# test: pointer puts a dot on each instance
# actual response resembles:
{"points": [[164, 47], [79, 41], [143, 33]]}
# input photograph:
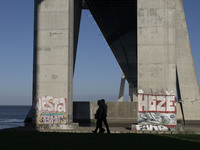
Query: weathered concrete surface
{"points": [[156, 63], [187, 80], [164, 55], [156, 47], [118, 112], [56, 27]]}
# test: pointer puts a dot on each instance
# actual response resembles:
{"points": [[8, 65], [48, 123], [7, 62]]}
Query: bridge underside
{"points": [[151, 44], [118, 23], [149, 39]]}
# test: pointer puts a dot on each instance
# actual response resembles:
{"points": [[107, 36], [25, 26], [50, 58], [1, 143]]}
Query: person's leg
{"points": [[100, 127], [106, 125], [95, 131]]}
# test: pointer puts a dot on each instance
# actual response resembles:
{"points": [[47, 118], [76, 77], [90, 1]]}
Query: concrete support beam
{"points": [[189, 90], [157, 62], [156, 47], [55, 38], [164, 52], [121, 90]]}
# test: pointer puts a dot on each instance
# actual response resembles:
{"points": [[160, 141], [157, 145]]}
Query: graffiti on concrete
{"points": [[152, 128], [51, 110], [67, 126], [157, 118], [52, 104], [52, 118], [63, 127], [153, 103], [156, 110]]}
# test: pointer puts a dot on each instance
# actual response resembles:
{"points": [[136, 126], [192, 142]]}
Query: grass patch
{"points": [[69, 141], [187, 137]]}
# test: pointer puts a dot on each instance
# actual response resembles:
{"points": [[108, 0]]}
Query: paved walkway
{"points": [[187, 129], [190, 128]]}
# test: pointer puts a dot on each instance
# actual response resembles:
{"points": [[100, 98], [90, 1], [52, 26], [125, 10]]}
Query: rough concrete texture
{"points": [[156, 47], [164, 52], [56, 28], [156, 62], [53, 62]]}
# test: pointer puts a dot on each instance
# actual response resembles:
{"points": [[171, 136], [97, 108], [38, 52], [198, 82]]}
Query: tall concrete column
{"points": [[121, 90], [157, 61], [55, 38], [132, 93], [156, 47], [187, 80]]}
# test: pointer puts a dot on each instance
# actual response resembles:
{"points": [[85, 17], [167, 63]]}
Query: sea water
{"points": [[13, 116]]}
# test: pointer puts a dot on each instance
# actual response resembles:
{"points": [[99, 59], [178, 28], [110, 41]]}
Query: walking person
{"points": [[99, 118], [104, 118]]}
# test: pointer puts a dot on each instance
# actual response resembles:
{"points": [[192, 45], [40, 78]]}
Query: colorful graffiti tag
{"points": [[52, 118], [156, 112], [51, 110], [52, 104], [152, 128], [152, 103], [157, 118]]}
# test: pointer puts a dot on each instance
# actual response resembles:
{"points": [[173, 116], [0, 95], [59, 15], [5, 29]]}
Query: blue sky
{"points": [[97, 74]]}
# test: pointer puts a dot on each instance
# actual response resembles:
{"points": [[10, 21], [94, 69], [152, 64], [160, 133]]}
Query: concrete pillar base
{"points": [[68, 126]]}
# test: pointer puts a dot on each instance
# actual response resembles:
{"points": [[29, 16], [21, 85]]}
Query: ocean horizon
{"points": [[13, 115]]}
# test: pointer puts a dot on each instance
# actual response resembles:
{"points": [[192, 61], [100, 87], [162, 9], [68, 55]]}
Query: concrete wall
{"points": [[118, 112]]}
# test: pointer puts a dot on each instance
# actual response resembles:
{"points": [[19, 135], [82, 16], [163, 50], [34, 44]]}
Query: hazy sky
{"points": [[97, 73]]}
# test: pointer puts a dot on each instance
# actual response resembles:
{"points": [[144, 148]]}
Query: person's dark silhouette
{"points": [[99, 116], [104, 119]]}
